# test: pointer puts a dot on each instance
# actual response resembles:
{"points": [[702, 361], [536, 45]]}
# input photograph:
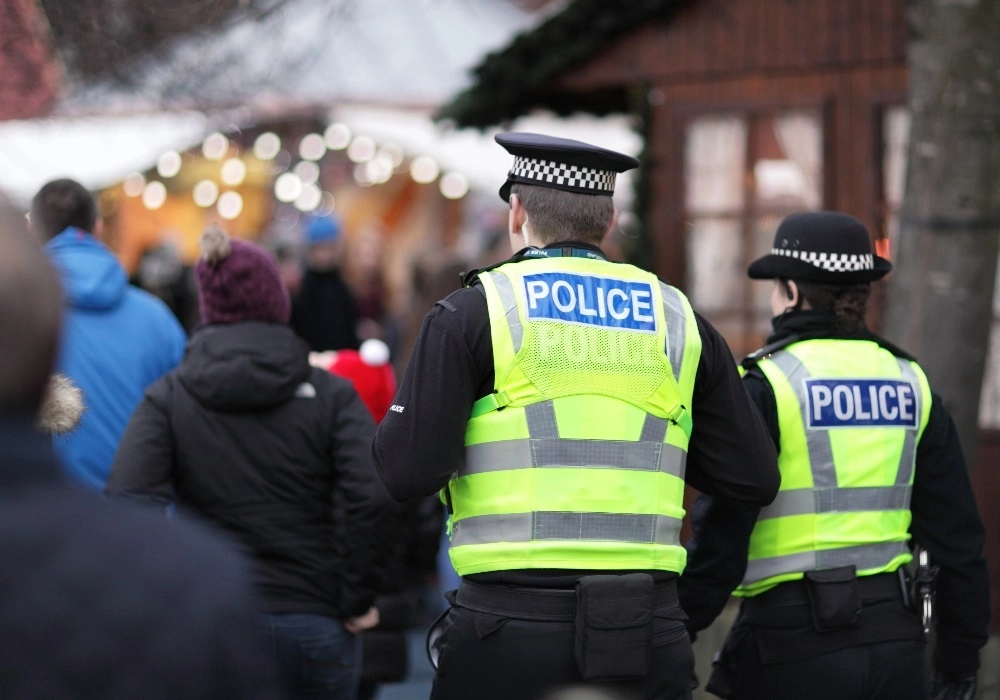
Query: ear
{"points": [[516, 218], [792, 292]]}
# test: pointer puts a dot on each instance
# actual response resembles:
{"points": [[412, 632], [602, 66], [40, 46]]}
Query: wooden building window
{"points": [[742, 174]]}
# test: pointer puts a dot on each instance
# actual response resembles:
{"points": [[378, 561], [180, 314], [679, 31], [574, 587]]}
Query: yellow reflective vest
{"points": [[577, 460], [850, 415]]}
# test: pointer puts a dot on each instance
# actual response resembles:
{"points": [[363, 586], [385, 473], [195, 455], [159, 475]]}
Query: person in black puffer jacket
{"points": [[250, 437]]}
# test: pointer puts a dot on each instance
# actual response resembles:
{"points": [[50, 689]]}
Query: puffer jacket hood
{"points": [[91, 275], [241, 367]]}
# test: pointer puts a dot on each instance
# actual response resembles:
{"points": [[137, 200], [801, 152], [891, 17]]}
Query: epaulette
{"points": [[751, 360]]}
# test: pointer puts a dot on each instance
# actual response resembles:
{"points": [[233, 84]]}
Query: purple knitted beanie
{"points": [[239, 281]]}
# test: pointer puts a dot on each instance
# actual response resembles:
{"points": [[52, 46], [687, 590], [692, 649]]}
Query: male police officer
{"points": [[868, 457], [557, 400]]}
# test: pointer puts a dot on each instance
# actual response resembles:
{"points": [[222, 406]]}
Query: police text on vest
{"points": [[594, 301], [861, 403]]}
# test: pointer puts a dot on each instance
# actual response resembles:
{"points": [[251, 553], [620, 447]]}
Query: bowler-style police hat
{"points": [[821, 246], [564, 164]]}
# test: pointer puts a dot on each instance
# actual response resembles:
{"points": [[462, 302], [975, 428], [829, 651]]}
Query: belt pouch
{"points": [[834, 598], [614, 626]]}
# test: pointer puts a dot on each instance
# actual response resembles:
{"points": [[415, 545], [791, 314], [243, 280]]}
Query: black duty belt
{"points": [[543, 604], [792, 593]]}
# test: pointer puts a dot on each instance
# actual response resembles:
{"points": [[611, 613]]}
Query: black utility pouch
{"points": [[614, 625], [834, 598]]}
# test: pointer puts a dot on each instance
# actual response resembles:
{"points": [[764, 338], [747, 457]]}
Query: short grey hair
{"points": [[558, 215]]}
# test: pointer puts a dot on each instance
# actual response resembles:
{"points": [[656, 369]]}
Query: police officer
{"points": [[870, 463], [559, 400]]}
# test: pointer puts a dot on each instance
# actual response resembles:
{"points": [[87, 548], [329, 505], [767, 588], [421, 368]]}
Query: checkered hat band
{"points": [[831, 262], [566, 175]]}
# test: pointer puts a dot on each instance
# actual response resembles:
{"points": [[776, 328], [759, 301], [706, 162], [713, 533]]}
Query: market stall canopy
{"points": [[96, 151], [102, 151]]}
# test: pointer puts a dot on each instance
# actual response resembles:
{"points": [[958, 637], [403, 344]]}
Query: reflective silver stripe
{"points": [[555, 525], [541, 417], [654, 429], [675, 316], [591, 454], [824, 474], [806, 501], [864, 556], [909, 456], [506, 291]]}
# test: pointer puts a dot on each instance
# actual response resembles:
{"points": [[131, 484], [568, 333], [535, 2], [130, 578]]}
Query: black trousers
{"points": [[488, 657], [775, 652]]}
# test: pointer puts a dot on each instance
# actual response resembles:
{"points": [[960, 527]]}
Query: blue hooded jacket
{"points": [[117, 340]]}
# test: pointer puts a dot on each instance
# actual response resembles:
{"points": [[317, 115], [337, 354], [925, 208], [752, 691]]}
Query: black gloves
{"points": [[953, 687]]}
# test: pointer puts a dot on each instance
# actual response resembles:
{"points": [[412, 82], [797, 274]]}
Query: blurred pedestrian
{"points": [[250, 437], [117, 339], [99, 600], [398, 582], [324, 312], [869, 459], [560, 401]]}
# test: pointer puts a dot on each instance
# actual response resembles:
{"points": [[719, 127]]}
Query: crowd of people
{"points": [[251, 511]]}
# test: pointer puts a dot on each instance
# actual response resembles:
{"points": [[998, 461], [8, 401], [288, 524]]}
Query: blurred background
{"points": [[380, 114]]}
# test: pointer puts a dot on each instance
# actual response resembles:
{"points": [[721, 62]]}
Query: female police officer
{"points": [[557, 400], [868, 458]]}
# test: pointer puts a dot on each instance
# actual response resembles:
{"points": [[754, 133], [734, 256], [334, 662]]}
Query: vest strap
{"points": [[490, 402]]}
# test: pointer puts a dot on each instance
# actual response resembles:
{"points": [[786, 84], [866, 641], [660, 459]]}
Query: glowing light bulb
{"points": [[267, 145], [205, 193], [154, 195], [230, 205], [424, 169], [337, 136]]}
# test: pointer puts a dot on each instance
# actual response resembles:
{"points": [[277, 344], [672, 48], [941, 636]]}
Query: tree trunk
{"points": [[941, 292]]}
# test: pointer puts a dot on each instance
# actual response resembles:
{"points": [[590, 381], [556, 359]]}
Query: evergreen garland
{"points": [[512, 81]]}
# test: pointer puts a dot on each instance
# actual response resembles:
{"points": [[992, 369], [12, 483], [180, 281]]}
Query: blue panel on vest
{"points": [[861, 403], [593, 301]]}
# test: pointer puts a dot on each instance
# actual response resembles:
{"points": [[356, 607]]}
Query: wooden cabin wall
{"points": [[843, 57]]}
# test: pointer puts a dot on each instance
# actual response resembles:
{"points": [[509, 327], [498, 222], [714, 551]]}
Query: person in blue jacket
{"points": [[117, 339]]}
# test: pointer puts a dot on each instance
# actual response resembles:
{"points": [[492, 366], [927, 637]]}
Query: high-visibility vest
{"points": [[850, 416], [577, 460]]}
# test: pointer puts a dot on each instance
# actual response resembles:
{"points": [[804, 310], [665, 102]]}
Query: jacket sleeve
{"points": [[720, 543], [358, 498], [730, 453], [946, 523], [421, 441], [142, 469]]}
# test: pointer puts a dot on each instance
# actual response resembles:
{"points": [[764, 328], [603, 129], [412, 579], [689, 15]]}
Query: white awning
{"points": [[102, 151], [95, 151]]}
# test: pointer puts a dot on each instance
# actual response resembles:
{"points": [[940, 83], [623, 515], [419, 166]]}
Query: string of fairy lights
{"points": [[294, 180]]}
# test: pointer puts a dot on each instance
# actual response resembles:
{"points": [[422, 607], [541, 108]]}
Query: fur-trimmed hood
{"points": [[62, 408]]}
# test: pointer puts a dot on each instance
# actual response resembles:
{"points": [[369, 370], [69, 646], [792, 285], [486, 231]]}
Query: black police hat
{"points": [[565, 164], [821, 246]]}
